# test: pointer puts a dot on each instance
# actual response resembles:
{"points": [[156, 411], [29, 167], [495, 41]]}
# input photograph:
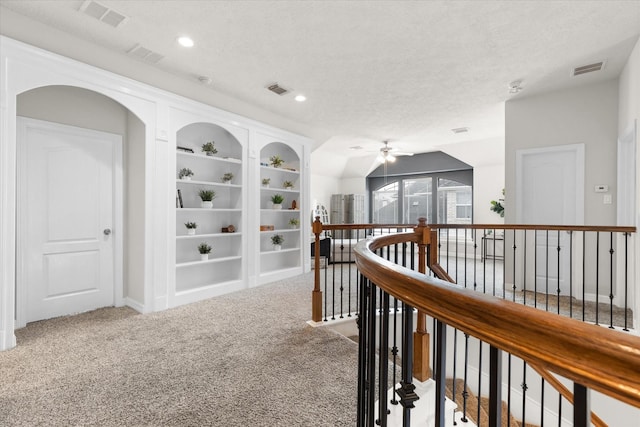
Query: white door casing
{"points": [[550, 191], [69, 224]]}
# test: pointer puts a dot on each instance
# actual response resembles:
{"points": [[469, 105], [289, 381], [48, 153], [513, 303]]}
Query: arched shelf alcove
{"points": [[209, 161], [280, 178]]}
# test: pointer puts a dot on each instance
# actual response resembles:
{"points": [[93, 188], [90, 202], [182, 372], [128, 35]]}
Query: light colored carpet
{"points": [[243, 359]]}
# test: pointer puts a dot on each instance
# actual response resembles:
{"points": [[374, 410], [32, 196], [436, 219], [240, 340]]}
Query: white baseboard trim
{"points": [[134, 304]]}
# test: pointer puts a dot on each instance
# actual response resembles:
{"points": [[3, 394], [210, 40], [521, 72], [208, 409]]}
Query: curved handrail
{"points": [[604, 360]]}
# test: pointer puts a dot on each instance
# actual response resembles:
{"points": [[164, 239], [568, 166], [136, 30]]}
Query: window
{"points": [[454, 202], [385, 204], [417, 200]]}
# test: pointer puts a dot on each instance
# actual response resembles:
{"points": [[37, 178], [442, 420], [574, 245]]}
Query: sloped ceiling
{"points": [[405, 71]]}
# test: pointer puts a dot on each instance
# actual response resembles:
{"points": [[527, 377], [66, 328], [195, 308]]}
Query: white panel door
{"points": [[67, 204], [550, 191]]}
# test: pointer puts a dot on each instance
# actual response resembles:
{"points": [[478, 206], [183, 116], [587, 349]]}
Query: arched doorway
{"points": [[72, 246]]}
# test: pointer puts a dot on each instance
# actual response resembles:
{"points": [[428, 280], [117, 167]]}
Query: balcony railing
{"points": [[511, 266]]}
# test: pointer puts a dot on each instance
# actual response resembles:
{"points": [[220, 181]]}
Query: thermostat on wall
{"points": [[601, 188]]}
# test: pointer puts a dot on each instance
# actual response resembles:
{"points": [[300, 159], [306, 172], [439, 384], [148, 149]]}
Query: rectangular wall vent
{"points": [[145, 54], [597, 66], [103, 13], [277, 89]]}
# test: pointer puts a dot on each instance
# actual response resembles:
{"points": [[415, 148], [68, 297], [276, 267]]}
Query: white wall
{"points": [[488, 182], [322, 187], [588, 115], [628, 111]]}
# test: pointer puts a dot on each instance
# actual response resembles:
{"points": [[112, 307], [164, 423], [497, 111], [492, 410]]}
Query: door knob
{"points": [[107, 231]]}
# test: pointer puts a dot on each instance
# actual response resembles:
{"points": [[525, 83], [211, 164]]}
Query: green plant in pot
{"points": [[276, 161], [277, 241], [191, 228], [185, 173], [209, 148], [497, 206], [266, 181], [277, 200], [287, 185], [205, 250], [207, 197], [227, 177], [293, 222]]}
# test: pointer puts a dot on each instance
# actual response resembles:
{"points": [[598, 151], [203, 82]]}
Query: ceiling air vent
{"points": [[277, 89], [597, 66], [460, 130], [103, 13], [145, 54]]}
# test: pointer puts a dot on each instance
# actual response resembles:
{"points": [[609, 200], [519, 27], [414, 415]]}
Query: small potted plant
{"points": [[209, 148], [287, 185], [265, 182], [293, 222], [185, 174], [191, 228], [277, 240], [277, 200], [227, 177], [207, 197], [276, 161], [204, 250]]}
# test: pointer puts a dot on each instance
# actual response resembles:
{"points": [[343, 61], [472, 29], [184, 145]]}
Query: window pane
{"points": [[417, 200], [385, 204], [454, 202]]}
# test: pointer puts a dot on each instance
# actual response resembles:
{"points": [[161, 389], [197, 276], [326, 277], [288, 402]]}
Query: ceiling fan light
{"points": [[391, 158], [380, 158]]}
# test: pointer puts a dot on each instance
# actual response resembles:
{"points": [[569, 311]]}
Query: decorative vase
{"points": [[288, 188], [265, 185], [191, 231], [207, 205], [186, 178], [204, 257], [293, 226], [277, 247], [277, 206], [209, 153]]}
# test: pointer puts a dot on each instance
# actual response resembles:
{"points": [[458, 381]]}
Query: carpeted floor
{"points": [[243, 359]]}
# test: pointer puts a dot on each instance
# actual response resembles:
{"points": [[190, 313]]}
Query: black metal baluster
{"points": [[597, 276], [495, 386], [611, 252], [558, 282], [383, 366], [465, 257], [535, 268], [441, 371], [584, 271], [465, 393], [504, 262], [559, 410], [626, 278], [524, 268], [571, 274], [371, 352], [542, 406], [326, 294], [478, 418], [455, 365], [546, 291], [494, 263], [342, 271], [475, 259], [448, 270], [524, 392], [394, 350], [362, 323], [406, 391], [581, 406], [484, 265], [508, 390]]}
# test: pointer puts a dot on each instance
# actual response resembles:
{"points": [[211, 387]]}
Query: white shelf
{"points": [[281, 230], [208, 209], [210, 183], [204, 156], [271, 168], [272, 252], [280, 210], [209, 261], [278, 190], [204, 236]]}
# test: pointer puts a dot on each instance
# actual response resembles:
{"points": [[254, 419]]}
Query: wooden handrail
{"points": [[601, 228], [604, 360]]}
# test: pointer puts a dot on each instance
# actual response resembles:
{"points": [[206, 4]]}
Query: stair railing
{"points": [[590, 356]]}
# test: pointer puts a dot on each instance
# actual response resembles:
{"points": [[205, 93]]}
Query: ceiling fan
{"points": [[389, 154]]}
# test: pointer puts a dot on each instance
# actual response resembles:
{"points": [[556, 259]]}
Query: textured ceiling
{"points": [[407, 71]]}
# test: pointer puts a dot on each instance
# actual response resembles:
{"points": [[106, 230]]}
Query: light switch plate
{"points": [[606, 199], [601, 188]]}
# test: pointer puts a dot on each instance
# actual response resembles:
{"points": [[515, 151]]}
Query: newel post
{"points": [[316, 295], [420, 336]]}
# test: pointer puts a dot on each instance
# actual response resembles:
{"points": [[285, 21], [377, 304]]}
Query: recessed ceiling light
{"points": [[356, 147], [300, 98], [515, 86], [460, 130], [185, 41]]}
